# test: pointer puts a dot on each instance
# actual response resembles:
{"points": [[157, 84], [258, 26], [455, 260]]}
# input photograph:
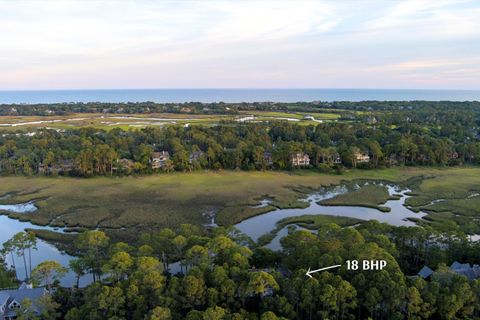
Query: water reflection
{"points": [[398, 216]]}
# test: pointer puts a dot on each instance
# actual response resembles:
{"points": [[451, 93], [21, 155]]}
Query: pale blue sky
{"points": [[239, 44]]}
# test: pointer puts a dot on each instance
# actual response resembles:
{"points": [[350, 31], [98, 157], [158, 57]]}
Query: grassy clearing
{"points": [[371, 196]]}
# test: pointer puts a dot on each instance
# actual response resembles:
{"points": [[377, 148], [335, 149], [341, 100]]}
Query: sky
{"points": [[429, 44]]}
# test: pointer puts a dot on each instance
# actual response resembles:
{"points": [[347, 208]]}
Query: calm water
{"points": [[45, 251], [233, 95], [262, 224]]}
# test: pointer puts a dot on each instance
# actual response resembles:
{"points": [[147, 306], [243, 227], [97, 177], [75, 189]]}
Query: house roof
{"points": [[469, 273], [3, 298], [458, 266], [425, 272], [22, 294], [161, 153]]}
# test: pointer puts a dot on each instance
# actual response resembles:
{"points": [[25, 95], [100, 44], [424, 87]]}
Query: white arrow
{"points": [[309, 272]]}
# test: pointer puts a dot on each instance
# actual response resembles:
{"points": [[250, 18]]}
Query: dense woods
{"points": [[377, 134], [251, 146], [224, 276], [428, 107]]}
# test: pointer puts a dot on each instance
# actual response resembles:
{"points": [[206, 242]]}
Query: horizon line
{"points": [[237, 88]]}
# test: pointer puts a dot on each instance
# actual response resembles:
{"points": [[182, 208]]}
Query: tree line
{"points": [[148, 107], [248, 146], [223, 275]]}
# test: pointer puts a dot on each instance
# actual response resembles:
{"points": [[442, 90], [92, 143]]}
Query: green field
{"points": [[106, 121], [166, 200], [135, 121]]}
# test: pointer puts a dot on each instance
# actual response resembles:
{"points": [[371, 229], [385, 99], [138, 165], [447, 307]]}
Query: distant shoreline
{"points": [[233, 95]]}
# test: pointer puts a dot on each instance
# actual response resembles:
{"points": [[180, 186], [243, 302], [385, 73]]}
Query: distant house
{"points": [[372, 120], [462, 269], [425, 273], [454, 155], [308, 117], [300, 160], [195, 156], [159, 159], [124, 164], [393, 159], [337, 159], [362, 157], [267, 157], [62, 167], [11, 300]]}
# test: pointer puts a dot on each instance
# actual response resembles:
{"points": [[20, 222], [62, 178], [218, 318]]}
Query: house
{"points": [[267, 157], [362, 157], [454, 155], [159, 159], [62, 167], [11, 300], [425, 273], [372, 120], [195, 156], [393, 159], [462, 269], [124, 164], [337, 159], [300, 160]]}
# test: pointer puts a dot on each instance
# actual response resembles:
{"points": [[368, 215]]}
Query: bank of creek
{"points": [[254, 227]]}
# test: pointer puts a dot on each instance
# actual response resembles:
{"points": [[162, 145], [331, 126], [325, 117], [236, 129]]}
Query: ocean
{"points": [[233, 95]]}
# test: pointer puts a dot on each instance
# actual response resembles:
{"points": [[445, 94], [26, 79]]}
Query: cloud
{"points": [[223, 43]]}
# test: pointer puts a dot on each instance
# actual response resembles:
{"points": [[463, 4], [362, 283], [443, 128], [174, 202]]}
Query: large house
{"points": [[195, 156], [124, 164], [11, 300], [362, 157], [159, 159], [62, 167], [300, 160], [463, 269]]}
